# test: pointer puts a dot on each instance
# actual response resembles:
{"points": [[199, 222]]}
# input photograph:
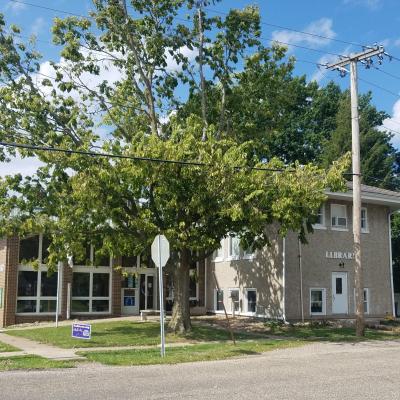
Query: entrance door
{"points": [[129, 300], [339, 293], [146, 292]]}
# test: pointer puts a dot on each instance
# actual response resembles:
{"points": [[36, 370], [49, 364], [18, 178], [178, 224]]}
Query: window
{"points": [[90, 290], [193, 282], [219, 300], [37, 291], [234, 298], [219, 254], [251, 298], [29, 249], [366, 300], [248, 253], [320, 219], [234, 248], [339, 216], [317, 301], [364, 221]]}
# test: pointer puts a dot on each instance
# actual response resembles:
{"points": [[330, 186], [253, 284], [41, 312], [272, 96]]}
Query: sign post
{"points": [[160, 256], [59, 267]]}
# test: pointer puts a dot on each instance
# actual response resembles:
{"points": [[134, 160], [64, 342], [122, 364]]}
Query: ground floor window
{"points": [[90, 291], [234, 297], [219, 300], [251, 299], [317, 301], [36, 291], [366, 301]]}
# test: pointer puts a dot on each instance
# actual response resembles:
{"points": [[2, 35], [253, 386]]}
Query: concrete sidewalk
{"points": [[43, 350]]}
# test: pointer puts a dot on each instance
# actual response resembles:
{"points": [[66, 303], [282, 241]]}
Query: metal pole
{"points": [[355, 133], [301, 281], [58, 291], [161, 289]]}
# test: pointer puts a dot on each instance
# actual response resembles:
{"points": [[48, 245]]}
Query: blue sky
{"points": [[360, 21]]}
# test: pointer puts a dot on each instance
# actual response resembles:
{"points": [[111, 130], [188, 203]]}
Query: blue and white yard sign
{"points": [[81, 331]]}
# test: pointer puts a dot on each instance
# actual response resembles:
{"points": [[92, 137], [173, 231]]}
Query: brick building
{"points": [[285, 280]]}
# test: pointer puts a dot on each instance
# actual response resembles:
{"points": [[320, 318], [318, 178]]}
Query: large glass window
{"points": [[29, 249], [320, 218], [37, 291], [219, 253], [90, 290]]}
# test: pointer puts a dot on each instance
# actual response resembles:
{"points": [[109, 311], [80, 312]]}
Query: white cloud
{"points": [[321, 27], [371, 4], [393, 124], [16, 8], [37, 26], [18, 165]]}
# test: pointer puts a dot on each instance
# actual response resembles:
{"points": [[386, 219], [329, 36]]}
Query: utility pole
{"points": [[364, 57]]}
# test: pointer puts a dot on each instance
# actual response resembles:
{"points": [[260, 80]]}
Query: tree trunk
{"points": [[180, 321]]}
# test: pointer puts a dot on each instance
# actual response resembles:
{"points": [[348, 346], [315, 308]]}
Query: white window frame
{"points": [[218, 255], [366, 228], [216, 302], [323, 290], [338, 227], [231, 255], [38, 297], [321, 212], [230, 290], [93, 270], [366, 300], [246, 296]]}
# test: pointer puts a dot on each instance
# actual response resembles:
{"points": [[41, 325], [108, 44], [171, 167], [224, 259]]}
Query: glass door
{"points": [[129, 301], [146, 292]]}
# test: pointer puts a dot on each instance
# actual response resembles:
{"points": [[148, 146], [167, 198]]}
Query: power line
{"points": [[134, 158]]}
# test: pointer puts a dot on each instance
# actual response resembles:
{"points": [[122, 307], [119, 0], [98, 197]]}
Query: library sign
{"points": [[339, 255]]}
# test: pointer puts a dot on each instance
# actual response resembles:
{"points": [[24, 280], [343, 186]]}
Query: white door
{"points": [[339, 293]]}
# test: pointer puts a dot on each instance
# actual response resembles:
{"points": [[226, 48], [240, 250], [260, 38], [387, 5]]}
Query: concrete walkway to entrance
{"points": [[43, 350]]}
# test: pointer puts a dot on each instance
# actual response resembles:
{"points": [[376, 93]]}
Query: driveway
{"points": [[316, 371]]}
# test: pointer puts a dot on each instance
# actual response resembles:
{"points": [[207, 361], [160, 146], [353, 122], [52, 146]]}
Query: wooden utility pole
{"points": [[366, 58]]}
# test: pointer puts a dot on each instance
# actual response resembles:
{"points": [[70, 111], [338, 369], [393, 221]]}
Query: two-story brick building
{"points": [[285, 280]]}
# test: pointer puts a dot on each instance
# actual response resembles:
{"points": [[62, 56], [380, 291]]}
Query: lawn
{"points": [[5, 348], [331, 334], [123, 333], [32, 362], [199, 352]]}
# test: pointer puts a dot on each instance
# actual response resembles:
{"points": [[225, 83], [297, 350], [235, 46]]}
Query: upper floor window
{"points": [[34, 248], [320, 220], [364, 220], [219, 253], [234, 248], [339, 216]]}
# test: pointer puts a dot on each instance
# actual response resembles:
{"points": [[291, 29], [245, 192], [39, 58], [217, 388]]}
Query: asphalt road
{"points": [[317, 371]]}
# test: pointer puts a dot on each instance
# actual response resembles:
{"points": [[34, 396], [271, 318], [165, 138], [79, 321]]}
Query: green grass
{"points": [[32, 362], [5, 348], [122, 333], [326, 333], [199, 352]]}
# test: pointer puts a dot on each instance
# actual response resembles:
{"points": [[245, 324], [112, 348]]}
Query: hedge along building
{"points": [[284, 280]]}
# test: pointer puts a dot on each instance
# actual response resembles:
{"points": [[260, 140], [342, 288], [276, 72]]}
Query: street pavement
{"points": [[317, 371]]}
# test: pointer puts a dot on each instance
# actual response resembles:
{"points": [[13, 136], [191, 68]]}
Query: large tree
{"points": [[194, 178]]}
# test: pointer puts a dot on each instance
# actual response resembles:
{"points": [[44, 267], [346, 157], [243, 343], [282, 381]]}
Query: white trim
{"points": [[221, 249], [323, 290], [366, 290], [231, 255], [230, 290]]}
